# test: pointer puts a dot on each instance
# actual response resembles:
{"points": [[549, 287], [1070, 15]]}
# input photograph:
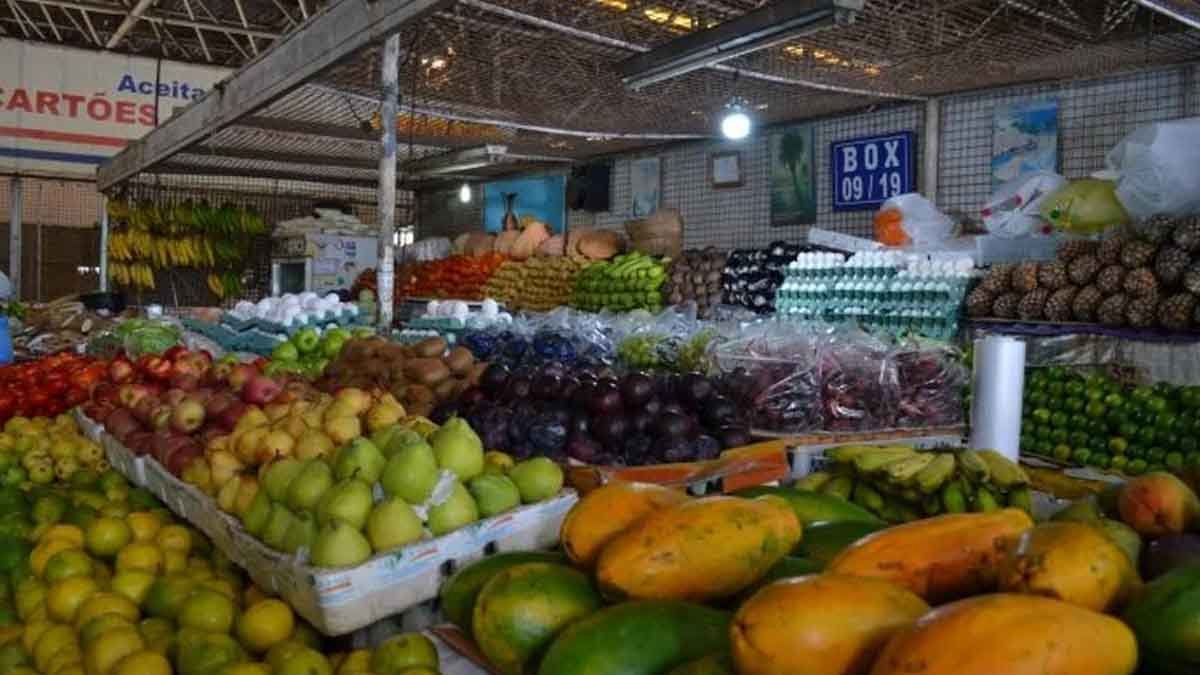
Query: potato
{"points": [[429, 347], [459, 360], [428, 371]]}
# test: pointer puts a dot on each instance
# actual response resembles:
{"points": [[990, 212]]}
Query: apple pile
{"points": [[48, 386], [308, 351]]}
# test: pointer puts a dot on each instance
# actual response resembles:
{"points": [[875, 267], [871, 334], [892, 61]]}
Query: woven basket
{"points": [[663, 222], [668, 245]]}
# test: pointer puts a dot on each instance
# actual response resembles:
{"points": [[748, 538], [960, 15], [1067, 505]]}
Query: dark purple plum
{"points": [[610, 429], [582, 398], [637, 389], [606, 400], [641, 421], [583, 448], [653, 406], [471, 396], [637, 449], [672, 426], [517, 388], [733, 437], [546, 387], [719, 411], [494, 379], [580, 423], [694, 389], [705, 447]]}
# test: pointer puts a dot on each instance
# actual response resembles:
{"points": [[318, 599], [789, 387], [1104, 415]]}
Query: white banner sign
{"points": [[63, 111]]}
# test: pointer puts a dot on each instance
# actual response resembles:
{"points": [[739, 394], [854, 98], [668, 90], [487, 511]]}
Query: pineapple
{"points": [[1141, 283], [1074, 248], [1191, 278], [1083, 269], [996, 281], [1032, 306], [1112, 310], [1110, 250], [1110, 279], [1187, 234], [1058, 306], [1083, 307], [1005, 306], [1025, 277], [1176, 312], [1141, 312], [1170, 264], [1052, 275], [979, 302], [1156, 229], [1137, 254]]}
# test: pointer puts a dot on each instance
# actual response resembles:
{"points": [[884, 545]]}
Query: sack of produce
{"points": [[773, 372], [911, 217], [1014, 209], [595, 244], [660, 233], [931, 378], [859, 385]]}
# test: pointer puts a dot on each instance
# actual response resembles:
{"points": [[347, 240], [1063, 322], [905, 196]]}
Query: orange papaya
{"points": [[941, 558], [820, 625], [702, 549], [1011, 634], [1070, 561], [607, 511]]}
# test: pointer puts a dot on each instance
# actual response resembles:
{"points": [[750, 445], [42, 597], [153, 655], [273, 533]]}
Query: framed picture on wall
{"points": [[725, 169], [1024, 139], [793, 192], [645, 186]]}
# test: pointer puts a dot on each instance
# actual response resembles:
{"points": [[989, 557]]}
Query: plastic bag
{"points": [[1157, 169], [1084, 206], [859, 386], [930, 383], [1014, 208], [773, 371], [916, 217]]}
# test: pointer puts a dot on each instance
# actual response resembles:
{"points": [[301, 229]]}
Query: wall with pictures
{"points": [[1092, 116]]}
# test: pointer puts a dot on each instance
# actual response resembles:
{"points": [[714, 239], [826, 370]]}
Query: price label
{"points": [[869, 171]]}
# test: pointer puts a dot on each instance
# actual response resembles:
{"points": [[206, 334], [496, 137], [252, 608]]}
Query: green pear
{"points": [[392, 523], [494, 494], [306, 489], [275, 532], [458, 448], [411, 473], [537, 479], [458, 510], [402, 438], [350, 501], [255, 518], [279, 476], [360, 459], [339, 545], [301, 533]]}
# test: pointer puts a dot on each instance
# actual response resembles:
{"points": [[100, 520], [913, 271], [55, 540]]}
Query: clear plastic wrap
{"points": [[931, 380], [859, 386], [773, 372], [562, 336]]}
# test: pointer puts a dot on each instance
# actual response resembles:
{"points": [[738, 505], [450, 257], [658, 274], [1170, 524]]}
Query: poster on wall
{"points": [[542, 198], [645, 186], [1024, 139], [793, 193]]}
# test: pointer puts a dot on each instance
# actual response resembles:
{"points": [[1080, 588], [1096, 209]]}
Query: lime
{"points": [[1045, 449], [1118, 462], [1074, 388], [1095, 409], [1114, 401], [1101, 461], [1155, 455], [1042, 432], [1060, 420], [1059, 435], [1038, 399], [1079, 438], [1095, 394], [1074, 405], [1174, 461], [1188, 444], [1146, 436], [1156, 404], [1136, 467], [1128, 429], [1118, 445], [1142, 393], [1055, 389], [1193, 460], [1028, 441], [1081, 455], [1062, 452], [1135, 452]]}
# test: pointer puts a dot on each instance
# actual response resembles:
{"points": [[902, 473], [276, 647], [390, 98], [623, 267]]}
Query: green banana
{"points": [[953, 498], [973, 467], [847, 453], [866, 497], [1004, 472], [841, 486], [931, 478], [895, 511], [813, 481], [904, 470], [1021, 498], [875, 461], [985, 501]]}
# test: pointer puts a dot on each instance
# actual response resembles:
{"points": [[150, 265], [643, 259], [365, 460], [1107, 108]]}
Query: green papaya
{"points": [[1165, 617], [814, 507], [823, 541], [713, 664], [460, 591], [647, 637]]}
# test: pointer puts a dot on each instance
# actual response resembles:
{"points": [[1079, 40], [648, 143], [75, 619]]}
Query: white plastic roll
{"points": [[999, 381]]}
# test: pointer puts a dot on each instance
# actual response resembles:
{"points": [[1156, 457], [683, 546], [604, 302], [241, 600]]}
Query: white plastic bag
{"points": [[1157, 168], [1012, 210], [921, 220]]}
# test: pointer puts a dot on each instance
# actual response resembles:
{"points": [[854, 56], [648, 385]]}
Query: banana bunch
{"points": [[901, 484], [139, 245], [130, 244], [137, 275], [225, 285]]}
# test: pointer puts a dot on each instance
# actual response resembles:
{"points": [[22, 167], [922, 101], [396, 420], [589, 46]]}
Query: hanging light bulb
{"points": [[736, 124], [464, 194]]}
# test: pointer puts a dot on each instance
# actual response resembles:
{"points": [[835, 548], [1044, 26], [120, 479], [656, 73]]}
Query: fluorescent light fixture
{"points": [[457, 161], [464, 194], [755, 30]]}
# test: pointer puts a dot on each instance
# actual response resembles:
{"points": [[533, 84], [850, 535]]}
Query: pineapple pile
{"points": [[1145, 278]]}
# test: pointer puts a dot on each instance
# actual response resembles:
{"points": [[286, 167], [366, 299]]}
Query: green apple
{"points": [[285, 351], [306, 339], [332, 343]]}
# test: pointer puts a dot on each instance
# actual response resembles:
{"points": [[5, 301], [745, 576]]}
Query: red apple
{"points": [[192, 363], [145, 407], [185, 381], [160, 444], [211, 433], [188, 416], [180, 454], [172, 397], [120, 370], [128, 395], [218, 403], [140, 442], [229, 417], [121, 424], [203, 394], [173, 353], [260, 390], [105, 392], [221, 370], [161, 417], [240, 375], [154, 367]]}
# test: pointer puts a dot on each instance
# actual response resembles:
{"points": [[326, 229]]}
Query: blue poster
{"points": [[541, 197], [869, 171], [1024, 140]]}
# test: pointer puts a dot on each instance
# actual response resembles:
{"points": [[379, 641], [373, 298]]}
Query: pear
{"points": [[392, 523], [384, 414], [411, 473], [255, 519], [339, 545], [301, 533], [537, 479], [227, 495], [494, 494], [306, 489], [458, 448], [313, 443], [275, 531], [457, 511], [360, 459], [381, 437], [279, 476], [349, 501]]}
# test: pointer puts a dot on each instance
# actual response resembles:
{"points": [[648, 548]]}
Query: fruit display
{"points": [[48, 386], [419, 376], [1147, 278], [695, 276], [565, 336], [538, 284], [51, 450], [592, 418], [900, 484], [655, 350], [629, 281], [460, 277], [752, 276], [1100, 421], [307, 352]]}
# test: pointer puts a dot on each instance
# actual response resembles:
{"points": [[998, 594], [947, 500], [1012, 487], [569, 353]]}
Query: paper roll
{"points": [[999, 381]]}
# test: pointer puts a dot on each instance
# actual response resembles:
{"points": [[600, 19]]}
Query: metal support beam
{"points": [[288, 158], [16, 207], [128, 23], [169, 19], [933, 142], [390, 77], [1176, 11], [199, 33], [103, 243], [338, 32]]}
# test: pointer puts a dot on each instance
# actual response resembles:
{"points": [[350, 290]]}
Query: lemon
{"points": [[143, 663], [106, 603], [357, 661], [107, 536], [44, 551], [223, 586], [57, 638], [64, 598], [248, 668], [62, 661], [133, 584], [207, 610], [70, 562], [33, 631], [22, 670], [64, 532], [73, 668], [140, 555], [99, 626], [159, 634], [103, 654], [174, 561], [114, 510], [175, 538], [281, 652], [30, 599], [304, 661], [144, 524], [265, 624]]}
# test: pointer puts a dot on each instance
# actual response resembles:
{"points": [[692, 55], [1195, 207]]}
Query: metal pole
{"points": [[929, 165], [387, 181], [103, 243], [16, 204]]}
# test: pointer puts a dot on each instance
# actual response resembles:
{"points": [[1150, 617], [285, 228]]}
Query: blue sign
{"points": [[869, 171]]}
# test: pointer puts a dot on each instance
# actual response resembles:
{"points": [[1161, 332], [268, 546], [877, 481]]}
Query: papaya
{"points": [[1069, 561], [713, 664], [787, 568], [941, 558], [607, 511], [645, 637], [1166, 619], [522, 608], [699, 550], [1158, 504], [823, 541], [814, 507], [1010, 634], [459, 592], [826, 624]]}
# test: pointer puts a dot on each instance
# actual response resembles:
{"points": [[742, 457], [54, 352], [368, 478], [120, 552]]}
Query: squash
{"points": [[702, 549], [820, 625], [1071, 561], [599, 245], [606, 512], [505, 241], [529, 240], [940, 558], [553, 246], [1011, 634]]}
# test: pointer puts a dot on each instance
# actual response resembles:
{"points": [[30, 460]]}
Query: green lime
{"points": [[1193, 460], [1136, 467], [1128, 429], [1028, 440], [1042, 432], [1174, 461], [1079, 438], [1118, 445], [1045, 448], [1060, 419], [1055, 389], [1095, 394], [1146, 436], [1095, 409], [1055, 373], [1074, 388], [1114, 401], [1042, 415], [1155, 454], [1073, 405], [1100, 461], [1142, 393], [1118, 462], [1135, 452], [1059, 435], [1156, 404], [1188, 444], [1169, 440], [1038, 399], [1078, 421], [1062, 452], [1081, 455]]}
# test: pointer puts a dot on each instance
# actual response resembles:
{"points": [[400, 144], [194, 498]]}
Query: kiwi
{"points": [[430, 347], [460, 360], [445, 389], [427, 371]]}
